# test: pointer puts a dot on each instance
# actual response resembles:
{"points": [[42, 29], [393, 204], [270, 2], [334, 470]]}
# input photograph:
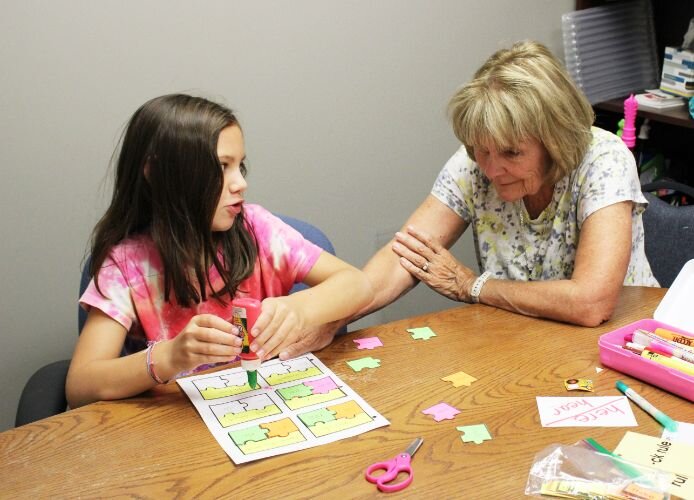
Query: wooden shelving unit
{"points": [[672, 129], [677, 116]]}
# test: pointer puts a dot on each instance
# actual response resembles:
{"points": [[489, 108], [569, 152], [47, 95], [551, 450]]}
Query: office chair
{"points": [[669, 232], [44, 393]]}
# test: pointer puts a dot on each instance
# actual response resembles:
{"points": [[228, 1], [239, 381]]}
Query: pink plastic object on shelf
{"points": [[631, 105]]}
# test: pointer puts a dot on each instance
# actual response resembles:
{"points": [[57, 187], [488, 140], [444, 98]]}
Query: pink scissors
{"points": [[393, 467]]}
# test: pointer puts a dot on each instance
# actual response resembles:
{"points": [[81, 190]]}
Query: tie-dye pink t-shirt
{"points": [[132, 280]]}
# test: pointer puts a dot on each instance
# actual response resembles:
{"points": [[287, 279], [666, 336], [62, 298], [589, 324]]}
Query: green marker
{"points": [[654, 412]]}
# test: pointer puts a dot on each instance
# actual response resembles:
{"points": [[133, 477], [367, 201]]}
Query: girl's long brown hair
{"points": [[176, 137]]}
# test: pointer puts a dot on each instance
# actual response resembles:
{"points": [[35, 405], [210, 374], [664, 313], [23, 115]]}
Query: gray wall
{"points": [[342, 104]]}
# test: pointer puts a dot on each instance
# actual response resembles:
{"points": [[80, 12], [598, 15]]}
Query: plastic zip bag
{"points": [[578, 471]]}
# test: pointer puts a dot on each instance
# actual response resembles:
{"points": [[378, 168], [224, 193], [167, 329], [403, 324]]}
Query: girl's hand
{"points": [[432, 264], [205, 339], [278, 320]]}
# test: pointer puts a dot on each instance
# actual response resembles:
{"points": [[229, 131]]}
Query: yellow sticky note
{"points": [[662, 454]]}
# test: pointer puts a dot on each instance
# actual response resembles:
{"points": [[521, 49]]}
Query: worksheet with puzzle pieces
{"points": [[301, 404]]}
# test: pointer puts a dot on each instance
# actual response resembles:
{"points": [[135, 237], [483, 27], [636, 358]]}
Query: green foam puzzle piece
{"points": [[474, 433], [424, 333], [369, 362]]}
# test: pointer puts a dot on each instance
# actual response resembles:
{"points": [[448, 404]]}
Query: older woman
{"points": [[554, 204]]}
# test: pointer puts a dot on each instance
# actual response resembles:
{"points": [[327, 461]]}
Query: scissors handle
{"points": [[401, 463]]}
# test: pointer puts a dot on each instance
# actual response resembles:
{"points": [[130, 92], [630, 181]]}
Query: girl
{"points": [[177, 244]]}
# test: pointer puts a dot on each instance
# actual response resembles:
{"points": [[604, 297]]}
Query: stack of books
{"points": [[678, 72], [657, 99]]}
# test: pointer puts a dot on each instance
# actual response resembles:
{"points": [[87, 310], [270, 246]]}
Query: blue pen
{"points": [[654, 412]]}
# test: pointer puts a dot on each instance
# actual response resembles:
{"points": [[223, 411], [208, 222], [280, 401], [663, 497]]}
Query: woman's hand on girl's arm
{"points": [[97, 372], [337, 291]]}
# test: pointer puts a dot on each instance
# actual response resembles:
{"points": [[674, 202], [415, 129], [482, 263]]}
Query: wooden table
{"points": [[156, 445]]}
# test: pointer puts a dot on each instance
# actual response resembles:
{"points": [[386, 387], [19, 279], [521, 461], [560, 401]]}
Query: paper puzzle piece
{"points": [[423, 333], [441, 411], [254, 433], [294, 391], [460, 378], [288, 371], [285, 367], [313, 417], [281, 428], [369, 362], [322, 385], [257, 402], [234, 407], [368, 343], [474, 433], [346, 410]]}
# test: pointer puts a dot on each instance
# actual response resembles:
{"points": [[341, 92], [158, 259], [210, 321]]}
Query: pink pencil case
{"points": [[612, 355]]}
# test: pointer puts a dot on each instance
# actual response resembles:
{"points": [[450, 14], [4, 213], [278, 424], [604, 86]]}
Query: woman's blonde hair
{"points": [[520, 93]]}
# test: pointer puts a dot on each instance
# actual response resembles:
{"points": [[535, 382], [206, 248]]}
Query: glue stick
{"points": [[245, 312], [685, 341]]}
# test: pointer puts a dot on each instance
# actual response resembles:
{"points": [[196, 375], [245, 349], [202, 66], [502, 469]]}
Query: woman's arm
{"points": [[588, 298], [388, 279], [97, 372], [336, 291]]}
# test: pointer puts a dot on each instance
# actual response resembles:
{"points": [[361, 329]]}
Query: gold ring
{"points": [[425, 267]]}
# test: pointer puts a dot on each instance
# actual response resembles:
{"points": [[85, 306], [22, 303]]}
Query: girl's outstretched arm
{"points": [[97, 372], [338, 290]]}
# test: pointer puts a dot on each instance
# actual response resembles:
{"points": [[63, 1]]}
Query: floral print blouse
{"points": [[512, 246]]}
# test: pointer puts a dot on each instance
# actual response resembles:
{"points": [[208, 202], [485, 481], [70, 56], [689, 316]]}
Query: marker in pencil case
{"points": [[686, 341], [661, 358], [669, 361], [660, 345], [245, 312]]}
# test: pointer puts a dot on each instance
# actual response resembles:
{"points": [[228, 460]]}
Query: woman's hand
{"points": [[429, 262], [298, 342], [278, 324], [206, 339]]}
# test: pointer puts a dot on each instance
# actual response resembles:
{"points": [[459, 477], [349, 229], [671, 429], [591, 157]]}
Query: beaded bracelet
{"points": [[477, 286], [150, 364]]}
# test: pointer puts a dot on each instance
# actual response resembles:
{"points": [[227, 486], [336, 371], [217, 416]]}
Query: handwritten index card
{"points": [[596, 411]]}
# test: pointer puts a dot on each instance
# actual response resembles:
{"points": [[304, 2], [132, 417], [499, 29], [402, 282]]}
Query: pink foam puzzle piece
{"points": [[442, 411], [460, 378], [474, 433], [368, 343]]}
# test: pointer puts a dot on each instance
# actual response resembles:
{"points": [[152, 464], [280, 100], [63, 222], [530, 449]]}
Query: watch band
{"points": [[477, 286]]}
